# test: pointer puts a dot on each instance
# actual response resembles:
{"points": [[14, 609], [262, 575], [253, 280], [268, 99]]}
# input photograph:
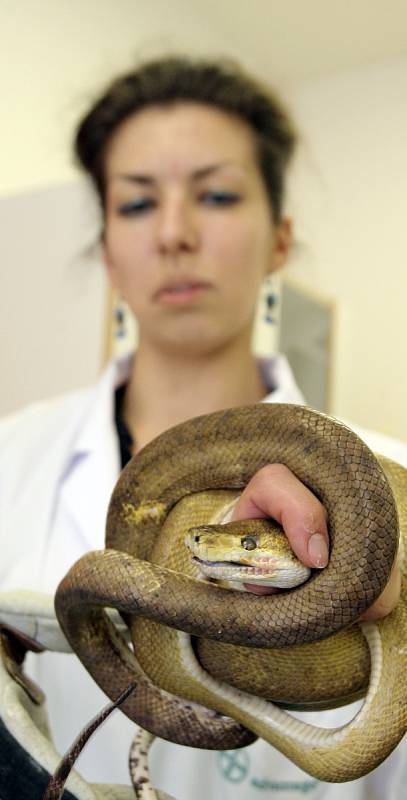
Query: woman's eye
{"points": [[220, 198], [136, 207]]}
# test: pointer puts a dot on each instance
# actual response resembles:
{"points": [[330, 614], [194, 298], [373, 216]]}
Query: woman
{"points": [[189, 161]]}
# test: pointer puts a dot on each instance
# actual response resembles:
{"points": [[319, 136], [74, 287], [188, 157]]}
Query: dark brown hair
{"points": [[166, 81]]}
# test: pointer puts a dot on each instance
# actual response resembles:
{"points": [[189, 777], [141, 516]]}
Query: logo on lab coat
{"points": [[234, 765]]}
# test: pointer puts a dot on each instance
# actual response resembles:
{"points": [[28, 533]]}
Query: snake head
{"points": [[248, 551]]}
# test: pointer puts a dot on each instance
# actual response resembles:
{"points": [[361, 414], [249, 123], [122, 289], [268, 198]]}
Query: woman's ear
{"points": [[283, 240]]}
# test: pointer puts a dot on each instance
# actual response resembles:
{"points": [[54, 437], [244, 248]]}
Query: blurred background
{"points": [[340, 313]]}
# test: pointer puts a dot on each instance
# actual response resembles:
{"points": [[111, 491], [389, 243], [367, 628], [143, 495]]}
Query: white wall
{"points": [[55, 55], [348, 190], [350, 202]]}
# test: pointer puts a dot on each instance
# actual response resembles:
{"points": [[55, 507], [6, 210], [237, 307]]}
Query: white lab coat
{"points": [[59, 461]]}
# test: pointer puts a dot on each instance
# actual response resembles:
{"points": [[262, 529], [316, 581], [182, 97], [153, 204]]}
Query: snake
{"points": [[214, 667]]}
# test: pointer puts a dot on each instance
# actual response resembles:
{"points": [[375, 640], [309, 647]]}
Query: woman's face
{"points": [[189, 233]]}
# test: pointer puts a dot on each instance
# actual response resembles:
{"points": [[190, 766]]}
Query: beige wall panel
{"points": [[52, 299]]}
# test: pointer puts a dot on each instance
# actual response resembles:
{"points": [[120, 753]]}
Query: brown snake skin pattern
{"points": [[218, 452]]}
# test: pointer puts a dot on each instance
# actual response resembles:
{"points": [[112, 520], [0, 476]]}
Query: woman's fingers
{"points": [[274, 491]]}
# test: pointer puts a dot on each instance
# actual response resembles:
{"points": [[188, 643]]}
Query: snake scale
{"points": [[249, 657]]}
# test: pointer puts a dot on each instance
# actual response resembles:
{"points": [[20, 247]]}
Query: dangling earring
{"points": [[266, 326], [119, 315], [271, 299], [124, 331]]}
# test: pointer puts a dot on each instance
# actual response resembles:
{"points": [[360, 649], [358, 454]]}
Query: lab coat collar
{"points": [[279, 378], [98, 417], [94, 460], [99, 411]]}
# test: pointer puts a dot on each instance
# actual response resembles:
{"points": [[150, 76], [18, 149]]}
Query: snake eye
{"points": [[248, 542]]}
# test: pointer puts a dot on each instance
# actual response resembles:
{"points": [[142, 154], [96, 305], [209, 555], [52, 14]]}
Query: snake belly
{"points": [[180, 480]]}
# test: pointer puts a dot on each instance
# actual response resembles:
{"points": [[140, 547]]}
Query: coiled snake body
{"points": [[253, 652]]}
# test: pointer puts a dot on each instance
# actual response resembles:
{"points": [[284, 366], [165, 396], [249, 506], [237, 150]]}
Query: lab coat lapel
{"points": [[93, 467]]}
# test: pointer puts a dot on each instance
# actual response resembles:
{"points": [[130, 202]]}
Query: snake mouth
{"points": [[233, 569], [270, 574], [221, 564], [265, 566]]}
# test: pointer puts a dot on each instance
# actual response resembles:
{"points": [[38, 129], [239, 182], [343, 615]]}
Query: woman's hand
{"points": [[274, 491]]}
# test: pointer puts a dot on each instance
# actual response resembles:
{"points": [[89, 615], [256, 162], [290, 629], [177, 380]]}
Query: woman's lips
{"points": [[180, 293]]}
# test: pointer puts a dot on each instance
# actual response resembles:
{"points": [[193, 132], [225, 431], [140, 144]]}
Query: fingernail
{"points": [[318, 550]]}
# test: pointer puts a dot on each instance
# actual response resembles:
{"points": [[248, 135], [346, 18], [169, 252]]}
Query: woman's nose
{"points": [[177, 226]]}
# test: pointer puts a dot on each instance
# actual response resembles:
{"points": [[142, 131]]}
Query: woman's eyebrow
{"points": [[145, 180], [196, 174], [203, 172]]}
